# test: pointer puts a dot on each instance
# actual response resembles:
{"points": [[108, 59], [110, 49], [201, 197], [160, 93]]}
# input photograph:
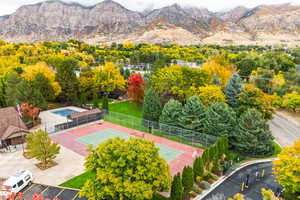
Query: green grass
{"points": [[127, 108], [78, 181]]}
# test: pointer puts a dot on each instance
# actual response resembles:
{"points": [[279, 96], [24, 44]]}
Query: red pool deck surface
{"points": [[68, 140]]}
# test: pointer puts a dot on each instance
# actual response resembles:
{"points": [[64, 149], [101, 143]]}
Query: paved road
{"points": [[285, 132], [50, 192], [232, 185]]}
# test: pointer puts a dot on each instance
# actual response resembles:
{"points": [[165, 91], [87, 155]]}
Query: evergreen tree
{"points": [[232, 89], [176, 188], [105, 103], [253, 137], [205, 157], [42, 84], [187, 180], [95, 100], [67, 80], [151, 106], [198, 167], [193, 115], [11, 90], [171, 113], [220, 120], [27, 94], [216, 80]]}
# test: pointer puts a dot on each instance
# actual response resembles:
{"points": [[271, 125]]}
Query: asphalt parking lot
{"points": [[233, 184], [50, 192]]}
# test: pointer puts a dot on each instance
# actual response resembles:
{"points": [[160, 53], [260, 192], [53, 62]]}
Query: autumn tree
{"points": [[287, 170], [135, 89], [41, 147], [232, 89], [30, 111], [107, 77], [119, 172], [268, 195], [254, 98], [253, 136], [291, 101], [209, 94], [218, 66]]}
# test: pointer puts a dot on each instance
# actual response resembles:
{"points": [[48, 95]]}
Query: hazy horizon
{"points": [[10, 7]]}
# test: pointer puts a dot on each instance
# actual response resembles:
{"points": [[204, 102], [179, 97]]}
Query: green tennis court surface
{"points": [[100, 136]]}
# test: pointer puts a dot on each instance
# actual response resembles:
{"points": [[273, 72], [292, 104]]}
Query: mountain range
{"points": [[109, 21]]}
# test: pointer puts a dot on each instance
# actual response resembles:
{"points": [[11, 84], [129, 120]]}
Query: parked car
{"points": [[16, 183]]}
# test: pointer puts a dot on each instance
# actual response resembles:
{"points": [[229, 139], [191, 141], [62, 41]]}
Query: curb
{"points": [[223, 178]]}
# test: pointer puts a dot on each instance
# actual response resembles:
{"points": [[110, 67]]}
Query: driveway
{"points": [[285, 131]]}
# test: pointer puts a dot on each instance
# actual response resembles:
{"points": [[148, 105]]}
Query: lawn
{"points": [[78, 181], [127, 108]]}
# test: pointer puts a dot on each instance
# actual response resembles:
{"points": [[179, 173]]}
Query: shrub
{"points": [[291, 101], [205, 185]]}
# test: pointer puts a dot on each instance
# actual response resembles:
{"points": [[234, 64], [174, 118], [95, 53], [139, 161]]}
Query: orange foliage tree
{"points": [[31, 111], [135, 90]]}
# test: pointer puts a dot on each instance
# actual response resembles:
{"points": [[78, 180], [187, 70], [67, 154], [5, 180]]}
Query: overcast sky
{"points": [[9, 6]]}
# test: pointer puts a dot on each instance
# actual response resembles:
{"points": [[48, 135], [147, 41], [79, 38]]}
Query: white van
{"points": [[17, 182]]}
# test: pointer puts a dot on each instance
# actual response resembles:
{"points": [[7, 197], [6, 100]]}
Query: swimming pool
{"points": [[64, 112]]}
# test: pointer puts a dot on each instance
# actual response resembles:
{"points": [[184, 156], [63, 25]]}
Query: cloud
{"points": [[9, 6]]}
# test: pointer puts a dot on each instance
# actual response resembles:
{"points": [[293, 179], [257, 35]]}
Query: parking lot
{"points": [[50, 192]]}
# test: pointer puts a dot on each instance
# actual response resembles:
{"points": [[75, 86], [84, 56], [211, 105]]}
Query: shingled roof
{"points": [[11, 125]]}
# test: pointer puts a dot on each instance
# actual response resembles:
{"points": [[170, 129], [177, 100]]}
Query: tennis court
{"points": [[176, 154]]}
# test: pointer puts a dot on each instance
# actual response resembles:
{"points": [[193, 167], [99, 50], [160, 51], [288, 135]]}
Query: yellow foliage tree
{"points": [[31, 71], [107, 78], [129, 45], [217, 65], [209, 95], [287, 168], [278, 80], [237, 196], [268, 195]]}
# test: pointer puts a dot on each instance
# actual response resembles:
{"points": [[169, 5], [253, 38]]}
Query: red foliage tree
{"points": [[135, 89], [30, 110]]}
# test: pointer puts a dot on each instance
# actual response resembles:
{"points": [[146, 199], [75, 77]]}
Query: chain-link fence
{"points": [[164, 130]]}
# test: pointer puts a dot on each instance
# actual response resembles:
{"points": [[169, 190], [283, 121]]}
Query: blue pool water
{"points": [[64, 112]]}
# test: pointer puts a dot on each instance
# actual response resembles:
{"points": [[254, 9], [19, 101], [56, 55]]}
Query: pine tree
{"points": [[193, 115], [105, 103], [253, 137], [176, 188], [171, 113], [151, 107], [232, 89], [216, 80], [95, 100], [198, 167], [220, 120], [187, 180]]}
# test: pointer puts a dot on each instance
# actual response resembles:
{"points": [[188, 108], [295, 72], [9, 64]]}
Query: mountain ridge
{"points": [[109, 21]]}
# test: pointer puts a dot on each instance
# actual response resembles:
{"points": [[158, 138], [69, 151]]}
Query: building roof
{"points": [[84, 113], [11, 125]]}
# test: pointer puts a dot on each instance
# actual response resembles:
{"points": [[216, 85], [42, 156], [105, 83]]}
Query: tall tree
{"points": [[42, 84], [187, 180], [287, 169], [151, 107], [209, 94], [176, 188], [253, 136], [135, 89], [41, 147], [193, 115], [198, 167], [220, 120], [122, 173], [13, 80], [171, 113], [233, 89], [67, 79]]}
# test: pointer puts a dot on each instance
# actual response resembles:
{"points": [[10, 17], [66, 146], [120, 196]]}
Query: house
{"points": [[12, 128]]}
